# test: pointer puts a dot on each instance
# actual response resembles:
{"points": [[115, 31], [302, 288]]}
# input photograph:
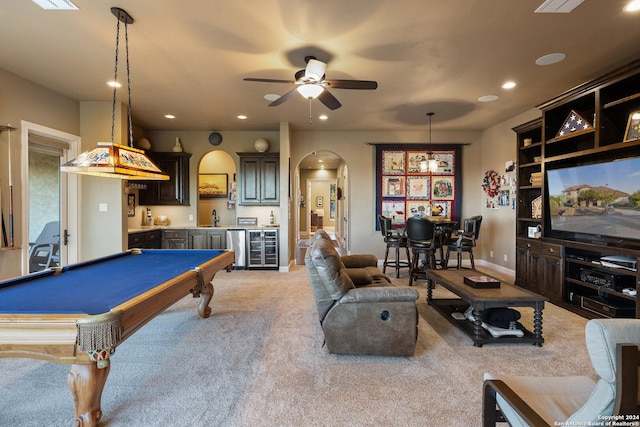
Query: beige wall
{"points": [[23, 100], [498, 229]]}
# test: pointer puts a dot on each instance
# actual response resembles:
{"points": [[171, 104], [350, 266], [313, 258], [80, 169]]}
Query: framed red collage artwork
{"points": [[405, 190]]}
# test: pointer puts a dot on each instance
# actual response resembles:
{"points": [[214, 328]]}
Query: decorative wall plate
{"points": [[215, 138]]}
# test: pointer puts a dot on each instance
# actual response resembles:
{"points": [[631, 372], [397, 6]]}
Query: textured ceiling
{"points": [[189, 59]]}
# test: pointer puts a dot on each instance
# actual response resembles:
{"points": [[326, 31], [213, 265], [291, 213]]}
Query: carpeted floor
{"points": [[259, 361]]}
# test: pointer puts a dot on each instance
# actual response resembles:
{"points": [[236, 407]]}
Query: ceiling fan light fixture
{"points": [[315, 70], [310, 90]]}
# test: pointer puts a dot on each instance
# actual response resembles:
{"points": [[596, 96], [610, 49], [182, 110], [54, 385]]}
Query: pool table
{"points": [[79, 314]]}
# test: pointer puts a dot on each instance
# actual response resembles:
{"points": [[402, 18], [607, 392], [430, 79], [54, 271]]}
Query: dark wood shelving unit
{"points": [[556, 267]]}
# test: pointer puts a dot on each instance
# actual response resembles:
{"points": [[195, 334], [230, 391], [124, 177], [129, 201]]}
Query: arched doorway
{"points": [[321, 195], [217, 167]]}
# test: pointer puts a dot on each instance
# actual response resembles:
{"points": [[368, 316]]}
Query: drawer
{"points": [[552, 249], [145, 239], [534, 245], [175, 234]]}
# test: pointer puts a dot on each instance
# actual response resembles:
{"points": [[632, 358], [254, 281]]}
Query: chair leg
{"points": [[414, 272], [386, 257], [445, 264], [397, 261], [473, 266], [459, 260]]}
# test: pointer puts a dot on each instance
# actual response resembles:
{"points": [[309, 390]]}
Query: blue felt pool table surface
{"points": [[97, 286]]}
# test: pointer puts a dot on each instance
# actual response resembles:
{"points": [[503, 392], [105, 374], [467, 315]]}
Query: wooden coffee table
{"points": [[481, 299]]}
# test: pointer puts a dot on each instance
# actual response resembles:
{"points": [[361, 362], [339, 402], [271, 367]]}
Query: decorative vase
{"points": [[178, 147], [261, 145]]}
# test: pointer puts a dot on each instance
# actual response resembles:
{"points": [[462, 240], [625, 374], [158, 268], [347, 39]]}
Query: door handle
{"points": [[65, 236]]}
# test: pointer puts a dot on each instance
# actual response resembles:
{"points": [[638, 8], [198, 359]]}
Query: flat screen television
{"points": [[597, 202]]}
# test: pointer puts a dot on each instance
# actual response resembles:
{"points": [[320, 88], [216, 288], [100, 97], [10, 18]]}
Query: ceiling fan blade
{"points": [[283, 98], [352, 84], [329, 100], [315, 70], [249, 79]]}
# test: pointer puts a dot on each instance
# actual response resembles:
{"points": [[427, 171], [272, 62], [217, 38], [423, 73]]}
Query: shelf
{"points": [[619, 146], [571, 135], [530, 187], [532, 145], [622, 100], [600, 289], [531, 165]]}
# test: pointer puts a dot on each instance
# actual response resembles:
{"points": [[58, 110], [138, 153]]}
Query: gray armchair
{"points": [[574, 400], [378, 319], [361, 268]]}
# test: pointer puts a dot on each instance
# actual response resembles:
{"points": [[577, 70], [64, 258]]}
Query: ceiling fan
{"points": [[311, 84]]}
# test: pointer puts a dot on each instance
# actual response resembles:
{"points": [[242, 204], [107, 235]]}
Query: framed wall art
{"points": [[633, 127], [418, 207], [131, 205], [404, 189], [393, 186], [418, 187], [442, 188], [393, 162], [212, 185]]}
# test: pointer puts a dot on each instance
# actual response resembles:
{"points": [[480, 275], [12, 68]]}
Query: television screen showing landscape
{"points": [[599, 199]]}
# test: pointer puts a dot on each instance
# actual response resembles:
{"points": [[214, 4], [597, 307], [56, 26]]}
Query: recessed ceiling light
{"points": [[56, 4], [632, 6], [323, 117], [169, 116], [488, 98], [271, 97], [552, 58], [509, 85], [114, 84], [242, 117]]}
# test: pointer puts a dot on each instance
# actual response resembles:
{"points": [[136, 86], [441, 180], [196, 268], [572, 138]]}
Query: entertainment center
{"points": [[578, 197]]}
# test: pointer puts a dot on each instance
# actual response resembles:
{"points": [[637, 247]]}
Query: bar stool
{"points": [[422, 241], [465, 241], [394, 240]]}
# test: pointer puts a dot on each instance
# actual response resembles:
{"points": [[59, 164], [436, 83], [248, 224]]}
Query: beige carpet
{"points": [[259, 361]]}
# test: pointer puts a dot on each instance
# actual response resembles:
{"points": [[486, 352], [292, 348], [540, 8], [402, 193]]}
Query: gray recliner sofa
{"points": [[374, 318]]}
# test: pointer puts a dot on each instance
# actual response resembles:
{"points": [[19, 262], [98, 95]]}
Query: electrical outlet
{"points": [[491, 254], [191, 217], [505, 258], [102, 207]]}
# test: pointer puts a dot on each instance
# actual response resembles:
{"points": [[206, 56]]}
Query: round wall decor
{"points": [[215, 138], [491, 183]]}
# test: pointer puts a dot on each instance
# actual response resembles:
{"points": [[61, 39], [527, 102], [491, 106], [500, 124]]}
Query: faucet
{"points": [[216, 219]]}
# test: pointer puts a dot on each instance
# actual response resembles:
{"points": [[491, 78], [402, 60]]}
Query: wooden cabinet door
{"points": [[269, 180], [529, 264], [552, 272], [175, 191], [250, 180], [260, 179], [198, 239]]}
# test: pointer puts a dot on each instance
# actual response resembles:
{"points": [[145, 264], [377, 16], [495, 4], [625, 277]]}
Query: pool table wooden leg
{"points": [[86, 383], [206, 294]]}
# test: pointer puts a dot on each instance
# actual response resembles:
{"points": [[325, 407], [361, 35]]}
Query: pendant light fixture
{"points": [[112, 160], [430, 164]]}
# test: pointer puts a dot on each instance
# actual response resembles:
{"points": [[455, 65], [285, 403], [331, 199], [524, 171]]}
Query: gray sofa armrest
{"points": [[359, 261], [381, 294]]}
